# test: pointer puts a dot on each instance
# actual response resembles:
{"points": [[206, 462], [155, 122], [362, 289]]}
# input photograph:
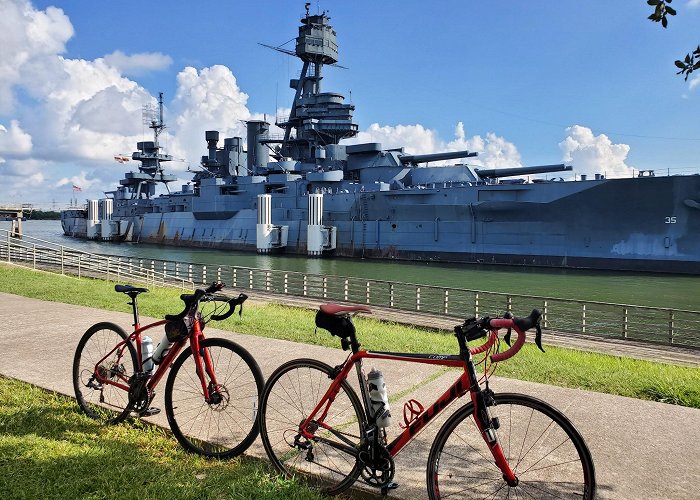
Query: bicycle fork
{"points": [[203, 363]]}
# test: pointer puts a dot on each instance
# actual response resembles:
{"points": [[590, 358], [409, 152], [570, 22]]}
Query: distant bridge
{"points": [[14, 214]]}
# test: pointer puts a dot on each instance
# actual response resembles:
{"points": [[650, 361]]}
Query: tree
{"points": [[691, 62]]}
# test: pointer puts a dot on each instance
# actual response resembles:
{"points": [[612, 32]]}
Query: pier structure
{"points": [[15, 215]]}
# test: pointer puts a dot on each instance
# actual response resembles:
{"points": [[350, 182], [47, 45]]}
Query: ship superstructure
{"points": [[304, 192]]}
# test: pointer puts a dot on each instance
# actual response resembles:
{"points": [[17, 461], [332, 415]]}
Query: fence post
{"points": [[108, 258], [544, 314], [250, 279], [625, 322], [286, 282], [583, 318], [218, 274], [78, 266], [671, 326], [235, 277], [476, 304], [345, 290], [391, 295], [304, 285], [509, 304], [189, 273], [177, 270], [8, 247], [447, 300], [367, 292], [62, 264], [325, 286], [267, 281], [417, 298], [204, 274]]}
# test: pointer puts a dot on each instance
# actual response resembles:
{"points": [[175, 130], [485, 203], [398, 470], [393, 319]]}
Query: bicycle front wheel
{"points": [[95, 374], [547, 454], [226, 425], [328, 460]]}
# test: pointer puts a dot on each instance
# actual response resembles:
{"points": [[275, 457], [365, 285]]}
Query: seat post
{"points": [[135, 307]]}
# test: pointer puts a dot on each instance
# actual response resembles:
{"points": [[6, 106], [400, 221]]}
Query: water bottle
{"points": [[378, 397], [162, 350], [147, 354]]}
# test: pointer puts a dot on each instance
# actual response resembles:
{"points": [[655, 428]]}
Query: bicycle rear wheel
{"points": [[328, 461], [547, 454], [227, 425], [103, 401]]}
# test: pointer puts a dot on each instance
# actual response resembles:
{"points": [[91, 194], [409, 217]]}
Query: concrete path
{"points": [[641, 449]]}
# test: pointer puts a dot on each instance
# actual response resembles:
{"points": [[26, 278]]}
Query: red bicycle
{"points": [[212, 391], [313, 424]]}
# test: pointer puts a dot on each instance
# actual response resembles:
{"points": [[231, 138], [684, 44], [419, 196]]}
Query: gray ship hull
{"points": [[626, 224]]}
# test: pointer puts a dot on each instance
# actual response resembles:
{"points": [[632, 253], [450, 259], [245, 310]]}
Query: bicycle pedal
{"points": [[150, 412], [391, 486]]}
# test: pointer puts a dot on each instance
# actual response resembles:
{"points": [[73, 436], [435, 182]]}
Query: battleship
{"points": [[303, 192]]}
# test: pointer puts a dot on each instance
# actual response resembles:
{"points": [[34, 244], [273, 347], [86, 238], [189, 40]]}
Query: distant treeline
{"points": [[42, 215]]}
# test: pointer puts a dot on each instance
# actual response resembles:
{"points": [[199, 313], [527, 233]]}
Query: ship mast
{"points": [[317, 118]]}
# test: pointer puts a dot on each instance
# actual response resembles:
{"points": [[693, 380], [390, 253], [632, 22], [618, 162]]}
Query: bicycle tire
{"points": [[215, 430], [546, 452], [106, 403], [292, 391]]}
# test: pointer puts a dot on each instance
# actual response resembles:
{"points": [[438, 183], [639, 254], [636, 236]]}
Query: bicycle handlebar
{"points": [[209, 294], [473, 329]]}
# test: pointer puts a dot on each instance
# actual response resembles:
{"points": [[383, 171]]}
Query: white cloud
{"points": [[14, 141], [693, 4], [27, 34], [594, 154], [209, 99], [694, 82], [493, 151], [137, 64]]}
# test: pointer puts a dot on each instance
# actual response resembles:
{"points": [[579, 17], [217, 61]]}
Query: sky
{"points": [[590, 84]]}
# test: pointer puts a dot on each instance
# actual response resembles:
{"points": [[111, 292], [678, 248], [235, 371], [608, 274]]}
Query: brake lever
{"points": [[506, 337], [538, 336]]}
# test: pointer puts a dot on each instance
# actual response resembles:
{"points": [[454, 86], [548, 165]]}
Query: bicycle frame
{"points": [[202, 362], [467, 382]]}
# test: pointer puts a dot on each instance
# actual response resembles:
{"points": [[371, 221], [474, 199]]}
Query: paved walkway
{"points": [[641, 449]]}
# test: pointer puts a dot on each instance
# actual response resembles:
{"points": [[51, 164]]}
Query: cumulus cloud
{"points": [[137, 64], [208, 99], [493, 151], [694, 82], [693, 4], [594, 154], [14, 141]]}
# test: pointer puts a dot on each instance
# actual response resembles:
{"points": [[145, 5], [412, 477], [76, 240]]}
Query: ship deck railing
{"points": [[605, 320]]}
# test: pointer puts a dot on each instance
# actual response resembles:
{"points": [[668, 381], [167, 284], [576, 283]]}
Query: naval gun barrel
{"points": [[507, 172], [450, 155]]}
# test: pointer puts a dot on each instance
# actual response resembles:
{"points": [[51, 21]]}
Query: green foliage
{"points": [[50, 450], [691, 62], [661, 10]]}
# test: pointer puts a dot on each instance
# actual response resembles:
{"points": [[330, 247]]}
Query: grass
{"points": [[563, 367], [50, 450]]}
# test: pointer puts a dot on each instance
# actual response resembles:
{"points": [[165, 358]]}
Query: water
{"points": [[661, 290]]}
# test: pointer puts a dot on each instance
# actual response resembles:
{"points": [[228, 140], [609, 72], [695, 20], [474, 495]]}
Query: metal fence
{"points": [[600, 319]]}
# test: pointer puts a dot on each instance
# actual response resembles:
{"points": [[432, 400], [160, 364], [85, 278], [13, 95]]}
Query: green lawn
{"points": [[48, 449], [563, 367]]}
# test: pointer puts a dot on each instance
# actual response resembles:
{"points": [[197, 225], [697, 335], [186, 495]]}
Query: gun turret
{"points": [[507, 172], [450, 155]]}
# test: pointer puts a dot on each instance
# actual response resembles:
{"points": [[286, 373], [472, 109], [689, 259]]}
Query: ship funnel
{"points": [[269, 237], [212, 138], [508, 172], [319, 238], [257, 151], [450, 155]]}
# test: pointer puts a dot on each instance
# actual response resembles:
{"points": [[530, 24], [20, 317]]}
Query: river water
{"points": [[662, 290]]}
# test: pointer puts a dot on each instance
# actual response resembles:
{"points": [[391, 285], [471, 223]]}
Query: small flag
{"points": [[121, 158], [76, 188]]}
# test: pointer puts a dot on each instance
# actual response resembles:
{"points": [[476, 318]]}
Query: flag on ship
{"points": [[77, 188], [121, 158]]}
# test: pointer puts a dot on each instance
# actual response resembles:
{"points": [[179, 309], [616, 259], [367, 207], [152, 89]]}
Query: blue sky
{"points": [[589, 83]]}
